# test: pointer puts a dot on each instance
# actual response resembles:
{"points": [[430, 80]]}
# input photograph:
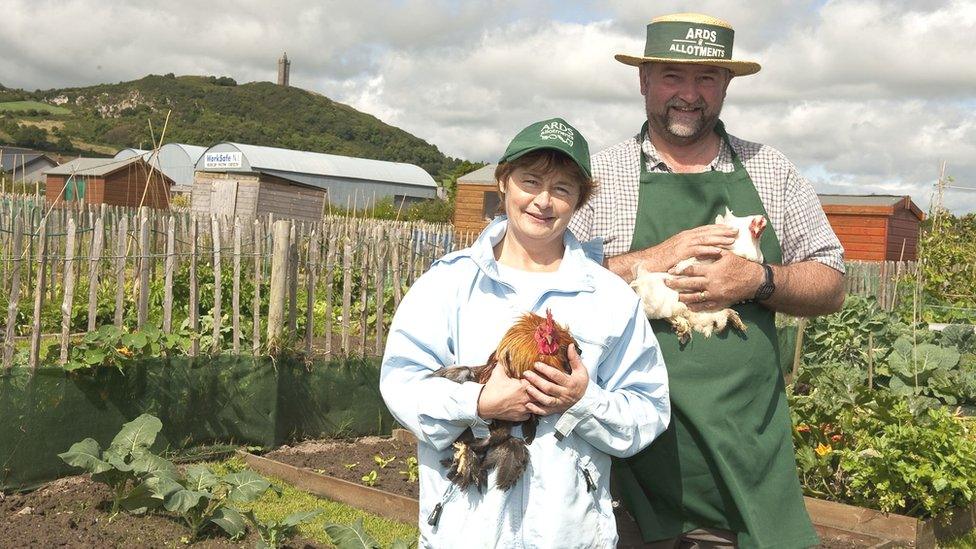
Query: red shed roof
{"points": [[868, 204]]}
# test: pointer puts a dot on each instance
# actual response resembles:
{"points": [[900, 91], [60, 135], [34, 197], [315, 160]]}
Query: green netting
{"points": [[203, 400], [341, 398]]}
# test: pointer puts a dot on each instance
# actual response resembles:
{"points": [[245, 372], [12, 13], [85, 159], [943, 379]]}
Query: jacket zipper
{"points": [[435, 515], [590, 485]]}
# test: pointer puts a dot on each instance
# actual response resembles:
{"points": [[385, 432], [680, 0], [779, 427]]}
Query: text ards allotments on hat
{"points": [[557, 130]]}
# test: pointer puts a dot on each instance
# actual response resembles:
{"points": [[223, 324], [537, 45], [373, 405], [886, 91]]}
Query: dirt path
{"points": [[72, 512]]}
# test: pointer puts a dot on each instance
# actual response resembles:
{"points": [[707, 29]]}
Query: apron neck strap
{"points": [[719, 129]]}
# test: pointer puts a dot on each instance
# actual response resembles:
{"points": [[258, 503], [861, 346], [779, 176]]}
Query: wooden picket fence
{"points": [[880, 279], [352, 273], [347, 269]]}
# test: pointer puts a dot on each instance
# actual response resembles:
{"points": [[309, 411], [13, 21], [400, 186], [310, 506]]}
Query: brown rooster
{"points": [[531, 339]]}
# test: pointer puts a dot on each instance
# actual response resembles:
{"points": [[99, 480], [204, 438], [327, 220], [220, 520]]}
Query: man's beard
{"points": [[678, 131]]}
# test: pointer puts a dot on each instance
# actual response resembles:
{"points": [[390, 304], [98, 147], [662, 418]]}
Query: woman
{"points": [[615, 401]]}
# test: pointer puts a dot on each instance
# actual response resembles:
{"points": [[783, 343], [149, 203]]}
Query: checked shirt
{"points": [[790, 201]]}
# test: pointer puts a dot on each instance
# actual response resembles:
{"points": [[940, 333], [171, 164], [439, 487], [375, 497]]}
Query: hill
{"points": [[205, 110]]}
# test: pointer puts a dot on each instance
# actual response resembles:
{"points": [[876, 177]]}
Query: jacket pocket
{"points": [[596, 494], [590, 478], [591, 349]]}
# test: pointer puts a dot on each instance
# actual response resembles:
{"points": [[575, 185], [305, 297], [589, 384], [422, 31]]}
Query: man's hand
{"points": [[728, 280], [504, 397], [706, 241], [554, 391], [807, 288]]}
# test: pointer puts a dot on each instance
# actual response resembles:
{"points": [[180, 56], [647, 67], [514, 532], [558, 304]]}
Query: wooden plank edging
{"points": [[378, 502], [901, 530], [833, 520]]}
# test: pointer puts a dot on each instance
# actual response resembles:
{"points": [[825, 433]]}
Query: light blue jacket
{"points": [[455, 314]]}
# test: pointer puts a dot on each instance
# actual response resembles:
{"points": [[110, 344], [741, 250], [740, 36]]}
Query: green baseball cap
{"points": [[555, 134]]}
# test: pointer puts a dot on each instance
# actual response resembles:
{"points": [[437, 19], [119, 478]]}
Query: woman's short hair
{"points": [[544, 162]]}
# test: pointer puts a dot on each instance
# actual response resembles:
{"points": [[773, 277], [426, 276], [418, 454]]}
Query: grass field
{"points": [[46, 125], [20, 106]]}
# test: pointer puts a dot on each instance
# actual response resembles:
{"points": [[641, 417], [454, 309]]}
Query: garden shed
{"points": [[248, 180], [874, 227], [23, 165], [116, 182], [477, 199], [177, 161]]}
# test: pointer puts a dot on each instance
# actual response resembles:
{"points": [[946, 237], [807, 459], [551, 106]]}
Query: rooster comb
{"points": [[545, 335]]}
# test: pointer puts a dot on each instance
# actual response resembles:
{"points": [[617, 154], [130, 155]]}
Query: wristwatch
{"points": [[767, 287]]}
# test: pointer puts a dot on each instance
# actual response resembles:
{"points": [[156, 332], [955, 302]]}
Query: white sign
{"points": [[223, 160]]}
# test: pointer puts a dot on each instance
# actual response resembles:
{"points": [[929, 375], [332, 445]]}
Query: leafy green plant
{"points": [[127, 466], [923, 370], [844, 336], [201, 497], [960, 336], [883, 452], [920, 466], [111, 346], [274, 533], [413, 469], [383, 462], [354, 536], [370, 478], [841, 349], [947, 247]]}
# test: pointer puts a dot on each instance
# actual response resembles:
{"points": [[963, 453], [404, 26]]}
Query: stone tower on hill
{"points": [[284, 67]]}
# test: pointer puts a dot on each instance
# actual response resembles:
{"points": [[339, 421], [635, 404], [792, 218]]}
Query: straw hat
{"points": [[690, 38]]}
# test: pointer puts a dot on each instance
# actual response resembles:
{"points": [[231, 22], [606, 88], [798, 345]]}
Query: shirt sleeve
{"points": [[627, 406], [807, 235], [434, 409]]}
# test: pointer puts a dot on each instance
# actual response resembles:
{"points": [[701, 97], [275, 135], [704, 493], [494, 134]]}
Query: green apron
{"points": [[727, 459]]}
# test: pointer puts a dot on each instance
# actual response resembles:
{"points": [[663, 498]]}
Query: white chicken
{"points": [[661, 302]]}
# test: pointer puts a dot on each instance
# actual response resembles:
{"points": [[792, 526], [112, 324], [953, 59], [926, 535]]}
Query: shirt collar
{"points": [[571, 274], [655, 163]]}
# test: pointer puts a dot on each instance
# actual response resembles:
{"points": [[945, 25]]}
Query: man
{"points": [[724, 473]]}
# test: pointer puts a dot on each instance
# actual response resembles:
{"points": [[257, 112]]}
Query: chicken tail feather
{"points": [[461, 374], [466, 467], [509, 459]]}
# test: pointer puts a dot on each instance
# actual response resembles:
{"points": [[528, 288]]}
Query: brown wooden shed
{"points": [[874, 227], [111, 181], [477, 200]]}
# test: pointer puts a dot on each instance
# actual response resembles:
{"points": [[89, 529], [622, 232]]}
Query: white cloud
{"points": [[863, 95], [868, 50]]}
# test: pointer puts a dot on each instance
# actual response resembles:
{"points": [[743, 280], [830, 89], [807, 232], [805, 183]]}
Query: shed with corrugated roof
{"points": [[874, 227], [177, 161], [248, 180], [20, 165], [117, 182]]}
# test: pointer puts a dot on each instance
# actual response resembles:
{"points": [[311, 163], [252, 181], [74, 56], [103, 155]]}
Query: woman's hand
{"points": [[503, 397], [554, 391]]}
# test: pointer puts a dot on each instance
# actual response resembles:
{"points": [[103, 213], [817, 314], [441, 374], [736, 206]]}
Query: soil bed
{"points": [[73, 512], [351, 460]]}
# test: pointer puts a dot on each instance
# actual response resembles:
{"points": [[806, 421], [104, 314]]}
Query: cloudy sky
{"points": [[863, 96]]}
